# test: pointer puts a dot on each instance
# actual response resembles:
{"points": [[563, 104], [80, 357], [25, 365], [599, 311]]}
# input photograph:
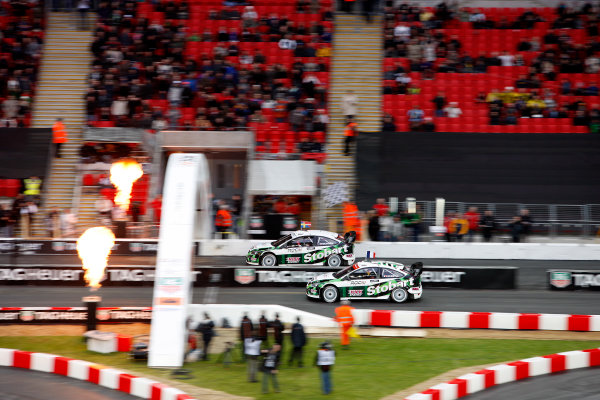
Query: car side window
{"points": [[390, 273], [325, 241], [364, 273], [304, 241]]}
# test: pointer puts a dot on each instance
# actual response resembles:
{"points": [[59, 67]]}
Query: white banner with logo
{"points": [[174, 260]]}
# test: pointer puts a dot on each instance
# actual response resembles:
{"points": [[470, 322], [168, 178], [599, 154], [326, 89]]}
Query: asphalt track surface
{"points": [[22, 384], [581, 384], [532, 295]]}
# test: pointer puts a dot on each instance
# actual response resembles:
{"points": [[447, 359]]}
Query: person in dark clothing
{"points": [[277, 327], [373, 225], [206, 327], [246, 329], [298, 342], [526, 222], [516, 229], [487, 225], [263, 325], [269, 368]]}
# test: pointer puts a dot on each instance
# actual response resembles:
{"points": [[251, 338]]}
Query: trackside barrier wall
{"points": [[93, 373], [425, 250], [364, 317], [509, 372]]}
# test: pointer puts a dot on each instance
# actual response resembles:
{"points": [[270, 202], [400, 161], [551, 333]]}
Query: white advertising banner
{"points": [[174, 260]]}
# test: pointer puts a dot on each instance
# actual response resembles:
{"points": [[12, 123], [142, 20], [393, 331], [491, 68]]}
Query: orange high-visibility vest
{"points": [[351, 215], [349, 130], [59, 133], [223, 218], [343, 315]]}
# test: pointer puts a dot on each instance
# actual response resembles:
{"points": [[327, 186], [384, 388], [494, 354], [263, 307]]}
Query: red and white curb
{"points": [[90, 372], [510, 372], [477, 320]]}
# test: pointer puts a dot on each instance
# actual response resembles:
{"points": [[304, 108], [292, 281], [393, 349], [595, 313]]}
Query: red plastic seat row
{"points": [[10, 187]]}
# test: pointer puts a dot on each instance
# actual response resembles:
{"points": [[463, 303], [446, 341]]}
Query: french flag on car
{"points": [[304, 224]]}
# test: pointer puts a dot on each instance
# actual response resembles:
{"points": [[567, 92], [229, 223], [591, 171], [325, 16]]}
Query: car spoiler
{"points": [[416, 269], [349, 237]]}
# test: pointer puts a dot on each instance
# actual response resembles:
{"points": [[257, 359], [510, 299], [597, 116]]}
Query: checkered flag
{"points": [[336, 193]]}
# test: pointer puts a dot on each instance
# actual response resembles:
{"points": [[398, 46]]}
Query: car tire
{"points": [[399, 295], [334, 260], [268, 260], [330, 294]]}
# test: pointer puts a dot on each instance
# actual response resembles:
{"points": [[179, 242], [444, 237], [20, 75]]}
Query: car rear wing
{"points": [[416, 269], [350, 237]]}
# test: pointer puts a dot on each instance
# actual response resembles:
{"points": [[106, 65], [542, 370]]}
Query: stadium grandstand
{"points": [[120, 74]]}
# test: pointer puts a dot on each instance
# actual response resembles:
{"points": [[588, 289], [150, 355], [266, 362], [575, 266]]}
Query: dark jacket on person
{"points": [[207, 329], [277, 330], [246, 328], [298, 336]]}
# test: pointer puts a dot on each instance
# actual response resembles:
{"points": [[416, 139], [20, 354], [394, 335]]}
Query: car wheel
{"points": [[268, 260], [399, 295], [334, 260], [330, 294]]}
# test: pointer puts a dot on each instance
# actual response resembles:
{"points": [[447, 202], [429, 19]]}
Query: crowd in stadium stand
{"points": [[21, 38], [554, 58], [204, 67]]}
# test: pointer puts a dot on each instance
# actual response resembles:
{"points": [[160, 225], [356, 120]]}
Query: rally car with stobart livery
{"points": [[368, 280], [312, 247]]}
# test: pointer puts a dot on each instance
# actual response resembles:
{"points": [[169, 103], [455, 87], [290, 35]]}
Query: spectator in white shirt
{"points": [[452, 110], [507, 60]]}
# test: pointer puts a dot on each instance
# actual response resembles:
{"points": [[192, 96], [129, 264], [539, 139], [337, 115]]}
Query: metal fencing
{"points": [[548, 219]]}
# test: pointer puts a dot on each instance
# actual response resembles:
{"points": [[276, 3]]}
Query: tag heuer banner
{"points": [[244, 275], [72, 315], [560, 279], [69, 246], [572, 279]]}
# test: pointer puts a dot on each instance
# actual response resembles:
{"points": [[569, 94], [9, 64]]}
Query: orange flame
{"points": [[93, 248], [122, 174]]}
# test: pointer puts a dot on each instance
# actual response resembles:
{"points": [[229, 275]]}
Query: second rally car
{"points": [[369, 280], [305, 247]]}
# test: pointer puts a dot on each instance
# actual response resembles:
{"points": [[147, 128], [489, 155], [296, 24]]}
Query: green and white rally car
{"points": [[368, 280], [305, 247]]}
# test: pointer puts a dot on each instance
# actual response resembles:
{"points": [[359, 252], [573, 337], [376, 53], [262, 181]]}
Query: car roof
{"points": [[380, 263], [296, 234]]}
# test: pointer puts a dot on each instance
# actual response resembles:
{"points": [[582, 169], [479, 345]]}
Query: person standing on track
{"points": [[343, 316]]}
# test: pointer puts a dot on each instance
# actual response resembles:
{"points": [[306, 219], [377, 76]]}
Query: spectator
{"points": [[206, 327], [349, 105], [325, 359], [452, 110], [526, 222], [298, 338], [388, 124], [516, 229], [472, 216], [59, 136], [277, 326], [374, 226], [487, 225], [415, 118], [246, 332], [350, 133], [439, 102], [381, 207], [270, 364], [252, 352], [428, 125], [506, 59]]}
